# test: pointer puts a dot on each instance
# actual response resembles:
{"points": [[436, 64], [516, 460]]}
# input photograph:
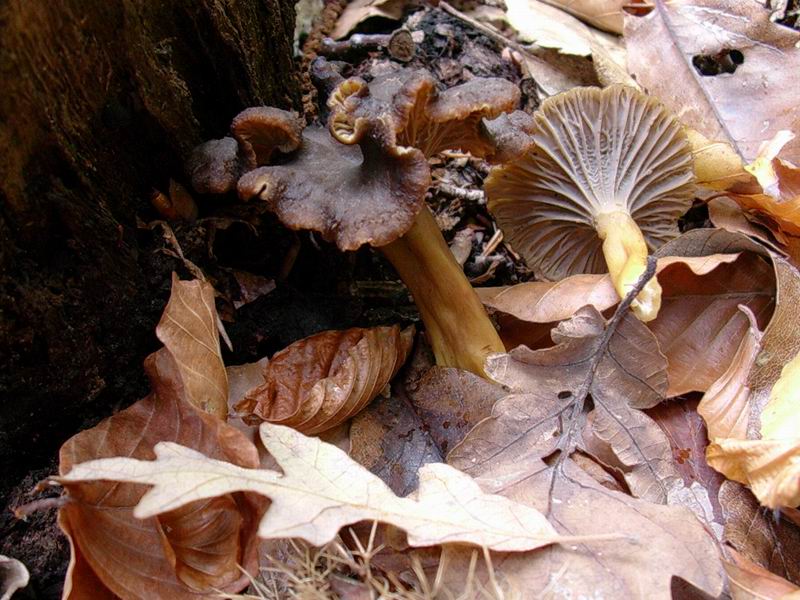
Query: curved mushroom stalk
{"points": [[373, 193], [608, 176], [460, 333], [625, 251]]}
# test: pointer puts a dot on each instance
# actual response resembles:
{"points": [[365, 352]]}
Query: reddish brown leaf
{"points": [[181, 554], [323, 380]]}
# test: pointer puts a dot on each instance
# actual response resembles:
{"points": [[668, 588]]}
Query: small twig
{"points": [[579, 400], [492, 244], [401, 44], [453, 191]]}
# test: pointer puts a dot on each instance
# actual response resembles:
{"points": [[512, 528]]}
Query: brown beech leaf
{"points": [[661, 542], [754, 428], [180, 554], [626, 373], [321, 381], [188, 330], [704, 274], [749, 100], [686, 432], [184, 553], [359, 11], [390, 440], [763, 537], [450, 402], [321, 489]]}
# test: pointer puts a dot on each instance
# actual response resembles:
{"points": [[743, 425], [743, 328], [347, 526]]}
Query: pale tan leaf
{"points": [[744, 107], [13, 576], [321, 490], [548, 27], [662, 542], [359, 11], [321, 381], [767, 459], [188, 330], [605, 14]]}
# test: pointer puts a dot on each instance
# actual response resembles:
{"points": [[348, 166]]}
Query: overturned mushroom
{"points": [[215, 166], [419, 114], [373, 193], [608, 177], [323, 380]]}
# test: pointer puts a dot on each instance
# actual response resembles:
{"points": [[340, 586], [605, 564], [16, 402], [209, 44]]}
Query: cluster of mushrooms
{"points": [[591, 183]]}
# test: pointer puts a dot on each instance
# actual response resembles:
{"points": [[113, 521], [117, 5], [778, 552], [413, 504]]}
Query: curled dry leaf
{"points": [[187, 552], [13, 576], [750, 100], [627, 373], [188, 330], [180, 554], [702, 289], [661, 542], [754, 429], [323, 380], [321, 489]]}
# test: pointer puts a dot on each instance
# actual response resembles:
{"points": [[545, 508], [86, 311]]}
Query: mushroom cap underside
{"points": [[595, 151]]}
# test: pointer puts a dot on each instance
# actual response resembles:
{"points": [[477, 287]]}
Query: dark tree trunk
{"points": [[100, 101]]}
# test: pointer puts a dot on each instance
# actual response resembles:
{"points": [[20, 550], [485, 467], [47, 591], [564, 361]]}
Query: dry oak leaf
{"points": [[629, 373], [661, 542], [753, 429], [188, 330], [358, 11], [321, 489], [749, 102], [184, 553], [699, 315], [323, 380]]}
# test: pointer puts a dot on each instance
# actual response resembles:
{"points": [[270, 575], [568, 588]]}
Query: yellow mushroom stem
{"points": [[626, 256], [458, 327]]}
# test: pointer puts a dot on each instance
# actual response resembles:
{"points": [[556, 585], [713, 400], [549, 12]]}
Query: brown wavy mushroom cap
{"points": [[420, 115], [608, 166], [352, 195], [215, 166]]}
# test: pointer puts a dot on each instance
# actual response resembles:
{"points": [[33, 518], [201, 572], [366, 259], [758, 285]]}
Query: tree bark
{"points": [[101, 101]]}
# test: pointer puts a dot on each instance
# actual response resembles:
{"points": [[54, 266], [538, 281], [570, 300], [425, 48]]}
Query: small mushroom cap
{"points": [[511, 134], [596, 151], [352, 195], [214, 167], [260, 130], [420, 115]]}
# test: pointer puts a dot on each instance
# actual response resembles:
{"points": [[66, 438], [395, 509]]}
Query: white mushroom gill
{"points": [[608, 177]]}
